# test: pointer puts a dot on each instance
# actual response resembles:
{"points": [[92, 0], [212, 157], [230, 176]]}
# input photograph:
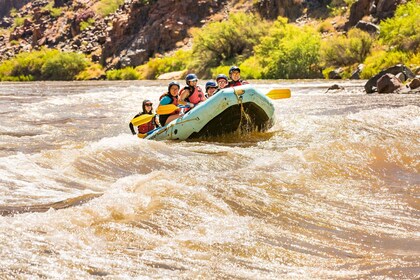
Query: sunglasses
{"points": [[148, 104]]}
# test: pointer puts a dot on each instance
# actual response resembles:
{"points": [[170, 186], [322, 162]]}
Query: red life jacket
{"points": [[195, 97], [146, 127], [237, 83]]}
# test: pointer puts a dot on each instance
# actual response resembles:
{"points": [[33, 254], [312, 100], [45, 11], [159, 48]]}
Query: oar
{"points": [[142, 119], [279, 93], [168, 109]]}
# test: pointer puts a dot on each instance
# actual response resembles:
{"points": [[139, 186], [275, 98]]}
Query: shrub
{"points": [[160, 65], [251, 69], [226, 43], [341, 50], [289, 51], [64, 66], [43, 65], [93, 71], [403, 30], [128, 73], [381, 60], [85, 24], [54, 12], [106, 7]]}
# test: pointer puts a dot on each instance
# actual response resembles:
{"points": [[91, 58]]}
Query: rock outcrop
{"points": [[140, 29], [390, 81]]}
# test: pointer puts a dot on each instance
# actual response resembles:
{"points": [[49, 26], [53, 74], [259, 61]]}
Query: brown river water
{"points": [[332, 191]]}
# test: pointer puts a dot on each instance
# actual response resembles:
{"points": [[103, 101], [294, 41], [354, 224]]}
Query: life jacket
{"points": [[237, 83], [195, 97], [146, 127]]}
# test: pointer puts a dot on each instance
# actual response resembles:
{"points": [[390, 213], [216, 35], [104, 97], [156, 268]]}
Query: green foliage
{"points": [[339, 7], [64, 66], [403, 30], [85, 24], [227, 42], [92, 72], [54, 12], [18, 21], [341, 50], [160, 65], [289, 52], [381, 60], [107, 7], [42, 65], [251, 69], [222, 69], [128, 73]]}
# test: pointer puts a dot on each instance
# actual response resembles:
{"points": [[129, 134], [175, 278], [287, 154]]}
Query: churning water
{"points": [[331, 191]]}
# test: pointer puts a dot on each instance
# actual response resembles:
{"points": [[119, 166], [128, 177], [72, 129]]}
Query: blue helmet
{"points": [[222, 76], [234, 68], [210, 84], [173, 83], [190, 77]]}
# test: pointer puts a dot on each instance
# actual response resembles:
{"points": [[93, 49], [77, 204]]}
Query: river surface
{"points": [[332, 191]]}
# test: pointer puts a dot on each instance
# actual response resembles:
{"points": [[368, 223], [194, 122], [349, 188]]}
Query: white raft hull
{"points": [[239, 108]]}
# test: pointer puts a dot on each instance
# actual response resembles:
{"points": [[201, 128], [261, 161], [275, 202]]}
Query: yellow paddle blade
{"points": [[279, 93], [141, 135], [166, 109], [142, 119]]}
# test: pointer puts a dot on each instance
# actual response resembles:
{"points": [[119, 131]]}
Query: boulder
{"points": [[388, 83], [356, 74], [394, 70], [368, 27], [335, 74], [415, 83]]}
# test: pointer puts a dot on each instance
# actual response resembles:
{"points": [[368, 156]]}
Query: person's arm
{"points": [[132, 126], [184, 96]]}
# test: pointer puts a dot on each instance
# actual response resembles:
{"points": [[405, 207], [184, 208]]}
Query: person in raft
{"points": [[170, 97], [146, 127], [235, 76], [191, 94], [211, 88], [222, 81]]}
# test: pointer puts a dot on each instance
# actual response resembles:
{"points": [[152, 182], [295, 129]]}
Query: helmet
{"points": [[222, 76], [234, 68], [172, 84], [190, 77], [210, 84]]}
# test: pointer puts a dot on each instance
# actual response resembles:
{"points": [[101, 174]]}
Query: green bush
{"points": [[128, 73], [54, 12], [43, 65], [289, 52], [403, 30], [85, 24], [92, 72], [107, 7], [226, 43], [381, 60], [64, 66], [251, 69], [160, 65], [341, 50]]}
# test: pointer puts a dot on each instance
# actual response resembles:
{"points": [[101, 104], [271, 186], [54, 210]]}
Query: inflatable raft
{"points": [[241, 108]]}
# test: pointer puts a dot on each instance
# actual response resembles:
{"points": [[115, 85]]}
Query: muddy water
{"points": [[331, 191]]}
